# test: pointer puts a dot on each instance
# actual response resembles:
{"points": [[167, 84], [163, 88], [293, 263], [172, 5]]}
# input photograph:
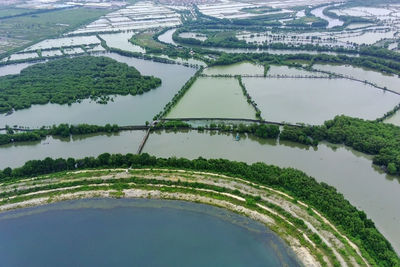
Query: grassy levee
{"points": [[349, 225], [291, 221]]}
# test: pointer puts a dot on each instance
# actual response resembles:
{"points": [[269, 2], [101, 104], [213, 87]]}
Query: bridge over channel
{"points": [[146, 136]]}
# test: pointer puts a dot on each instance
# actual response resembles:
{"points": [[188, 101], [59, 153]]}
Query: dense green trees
{"points": [[63, 130], [66, 130], [296, 134], [69, 80], [323, 197], [172, 124], [379, 139], [259, 130], [21, 137]]}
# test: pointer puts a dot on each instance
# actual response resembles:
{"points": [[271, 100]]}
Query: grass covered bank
{"points": [[311, 236], [320, 196]]}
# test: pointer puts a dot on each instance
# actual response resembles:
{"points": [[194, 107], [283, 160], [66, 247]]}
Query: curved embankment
{"points": [[312, 237]]}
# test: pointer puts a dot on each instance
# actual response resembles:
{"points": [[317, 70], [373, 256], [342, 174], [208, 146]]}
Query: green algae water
{"points": [[211, 97], [137, 232]]}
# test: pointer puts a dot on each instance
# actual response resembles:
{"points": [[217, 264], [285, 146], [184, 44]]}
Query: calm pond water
{"points": [[140, 232], [248, 68], [351, 172], [332, 22], [121, 40], [211, 97], [314, 101], [15, 155], [166, 37], [392, 82], [240, 68], [125, 110], [285, 70], [13, 68]]}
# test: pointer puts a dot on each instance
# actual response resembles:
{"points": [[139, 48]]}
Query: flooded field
{"points": [[73, 51], [51, 53], [64, 42], [141, 15], [391, 82], [213, 98], [366, 37], [21, 56], [351, 172], [313, 101], [285, 70], [226, 10]]}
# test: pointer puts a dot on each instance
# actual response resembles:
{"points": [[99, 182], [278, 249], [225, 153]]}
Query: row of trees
{"points": [[248, 97], [178, 95], [172, 124], [259, 130], [69, 80], [373, 63], [323, 197], [63, 130]]}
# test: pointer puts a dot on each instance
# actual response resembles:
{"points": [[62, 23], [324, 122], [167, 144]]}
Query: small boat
{"points": [[237, 137]]}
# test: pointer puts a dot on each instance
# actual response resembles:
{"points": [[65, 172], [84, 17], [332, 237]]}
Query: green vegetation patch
{"points": [[146, 40], [379, 139], [63, 130], [70, 80], [44, 24]]}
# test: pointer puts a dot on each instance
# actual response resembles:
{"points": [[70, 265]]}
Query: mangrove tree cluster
{"points": [[63, 130], [69, 80], [379, 139]]}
